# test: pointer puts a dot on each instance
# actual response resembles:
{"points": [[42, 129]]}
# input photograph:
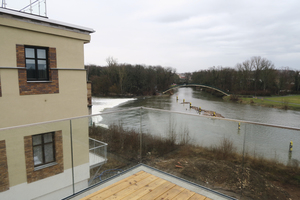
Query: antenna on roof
{"points": [[35, 7], [3, 4]]}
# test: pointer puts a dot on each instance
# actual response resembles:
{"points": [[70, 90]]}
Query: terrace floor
{"points": [[144, 182]]}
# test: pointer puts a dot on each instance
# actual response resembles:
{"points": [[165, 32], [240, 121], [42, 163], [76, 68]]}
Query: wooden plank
{"points": [[120, 186], [158, 191], [198, 197], [143, 185], [171, 193], [146, 189], [111, 189], [132, 188], [185, 194]]}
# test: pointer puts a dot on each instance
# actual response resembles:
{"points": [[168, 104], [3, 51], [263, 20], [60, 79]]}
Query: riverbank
{"points": [[218, 167], [283, 102]]}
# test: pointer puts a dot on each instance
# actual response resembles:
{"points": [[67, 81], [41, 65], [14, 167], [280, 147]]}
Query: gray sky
{"points": [[188, 35]]}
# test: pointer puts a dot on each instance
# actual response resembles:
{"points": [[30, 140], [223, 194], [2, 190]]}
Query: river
{"points": [[259, 140]]}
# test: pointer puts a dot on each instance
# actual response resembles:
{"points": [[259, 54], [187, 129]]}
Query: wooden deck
{"points": [[143, 185]]}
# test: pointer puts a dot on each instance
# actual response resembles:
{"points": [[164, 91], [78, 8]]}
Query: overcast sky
{"points": [[188, 35]]}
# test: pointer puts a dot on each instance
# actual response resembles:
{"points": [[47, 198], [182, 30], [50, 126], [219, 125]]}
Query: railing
{"points": [[197, 85], [97, 153], [38, 7], [238, 156]]}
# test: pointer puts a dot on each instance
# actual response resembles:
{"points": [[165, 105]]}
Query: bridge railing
{"points": [[197, 85]]}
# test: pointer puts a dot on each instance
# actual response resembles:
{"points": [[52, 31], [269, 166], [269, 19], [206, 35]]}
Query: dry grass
{"points": [[224, 150], [285, 103], [234, 97], [126, 145], [127, 142]]}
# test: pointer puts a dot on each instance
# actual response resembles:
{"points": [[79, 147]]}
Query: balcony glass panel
{"points": [[230, 156]]}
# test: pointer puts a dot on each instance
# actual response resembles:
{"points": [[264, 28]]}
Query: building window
{"points": [[43, 171], [36, 61], [37, 82], [43, 149]]}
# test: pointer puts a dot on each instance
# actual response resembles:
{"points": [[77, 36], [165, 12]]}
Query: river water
{"points": [[258, 140]]}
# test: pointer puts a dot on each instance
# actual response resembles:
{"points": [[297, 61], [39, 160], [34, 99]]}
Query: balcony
{"points": [[97, 153]]}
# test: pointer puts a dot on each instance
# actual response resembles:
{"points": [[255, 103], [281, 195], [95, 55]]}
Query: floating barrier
{"points": [[291, 146]]}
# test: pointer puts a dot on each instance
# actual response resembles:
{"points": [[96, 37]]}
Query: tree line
{"points": [[256, 76], [127, 79]]}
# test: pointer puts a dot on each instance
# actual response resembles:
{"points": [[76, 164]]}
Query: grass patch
{"points": [[290, 99], [284, 102]]}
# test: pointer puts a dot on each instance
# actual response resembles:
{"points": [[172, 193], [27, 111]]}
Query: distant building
{"points": [[42, 78], [184, 77], [181, 76]]}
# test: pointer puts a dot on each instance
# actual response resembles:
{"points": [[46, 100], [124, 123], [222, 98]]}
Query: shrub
{"points": [[225, 150]]}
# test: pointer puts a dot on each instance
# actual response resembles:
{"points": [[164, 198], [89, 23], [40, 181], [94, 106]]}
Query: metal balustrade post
{"points": [[94, 150], [105, 152], [243, 162], [72, 160], [141, 135]]}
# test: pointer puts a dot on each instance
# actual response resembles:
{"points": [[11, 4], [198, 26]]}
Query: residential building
{"points": [[42, 78]]}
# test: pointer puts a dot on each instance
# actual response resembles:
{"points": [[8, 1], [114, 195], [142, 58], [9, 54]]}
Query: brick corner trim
{"points": [[0, 87], [28, 88], [4, 180], [48, 171]]}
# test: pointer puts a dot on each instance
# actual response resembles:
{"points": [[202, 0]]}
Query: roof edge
{"points": [[19, 14]]}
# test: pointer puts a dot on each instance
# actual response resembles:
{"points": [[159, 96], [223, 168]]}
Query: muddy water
{"points": [[269, 142]]}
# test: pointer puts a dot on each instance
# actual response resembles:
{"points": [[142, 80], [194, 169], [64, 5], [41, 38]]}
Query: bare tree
{"points": [[188, 77], [268, 73], [122, 75], [257, 67], [297, 81], [245, 74], [285, 79], [111, 61]]}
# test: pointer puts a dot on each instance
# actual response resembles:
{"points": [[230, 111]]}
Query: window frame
{"points": [[36, 59], [43, 144]]}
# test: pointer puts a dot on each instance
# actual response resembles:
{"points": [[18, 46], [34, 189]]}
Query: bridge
{"points": [[196, 85]]}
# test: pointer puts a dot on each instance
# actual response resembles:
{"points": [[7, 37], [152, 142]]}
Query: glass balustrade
{"points": [[63, 157]]}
